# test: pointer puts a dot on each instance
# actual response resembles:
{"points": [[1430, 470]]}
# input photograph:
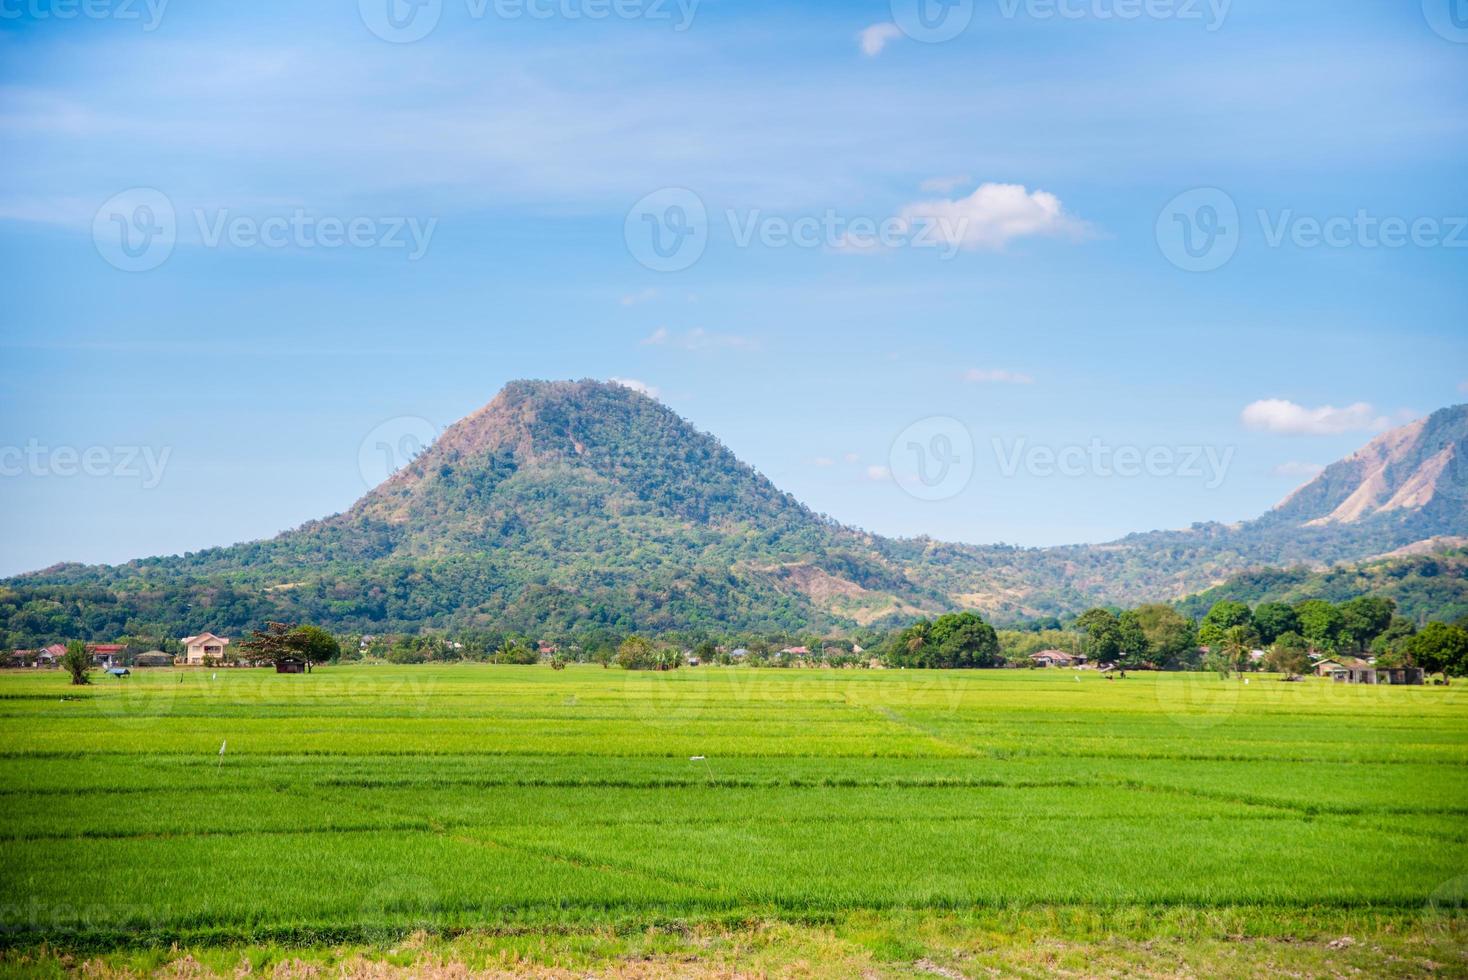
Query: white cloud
{"points": [[995, 215], [875, 38], [1463, 387], [879, 474], [852, 457], [823, 461], [1298, 471], [643, 296], [996, 376], [942, 185], [641, 387], [697, 339], [1287, 418]]}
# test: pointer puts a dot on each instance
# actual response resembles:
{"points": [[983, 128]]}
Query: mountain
{"points": [[1417, 473], [566, 506]]}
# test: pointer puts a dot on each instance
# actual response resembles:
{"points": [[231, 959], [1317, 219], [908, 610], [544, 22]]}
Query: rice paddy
{"points": [[355, 807]]}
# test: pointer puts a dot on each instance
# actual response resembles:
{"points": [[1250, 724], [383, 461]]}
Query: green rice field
{"points": [[886, 820]]}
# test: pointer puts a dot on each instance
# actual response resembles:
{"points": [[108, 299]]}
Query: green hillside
{"points": [[1424, 587]]}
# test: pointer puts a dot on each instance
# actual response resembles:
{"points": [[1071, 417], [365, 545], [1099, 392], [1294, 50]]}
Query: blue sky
{"points": [[493, 169]]}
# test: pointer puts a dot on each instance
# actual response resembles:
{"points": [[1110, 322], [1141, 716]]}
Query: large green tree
{"points": [[1172, 639], [1288, 654], [951, 641], [1440, 648], [1224, 616], [1274, 619], [1321, 624], [1102, 632], [1135, 650]]}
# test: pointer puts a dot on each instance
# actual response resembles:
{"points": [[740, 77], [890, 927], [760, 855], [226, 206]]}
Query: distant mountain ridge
{"points": [[564, 506]]}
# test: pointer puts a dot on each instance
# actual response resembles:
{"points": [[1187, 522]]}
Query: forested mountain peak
{"points": [[617, 443]]}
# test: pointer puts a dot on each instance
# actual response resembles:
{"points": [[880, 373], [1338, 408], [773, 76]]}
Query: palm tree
{"points": [[77, 662]]}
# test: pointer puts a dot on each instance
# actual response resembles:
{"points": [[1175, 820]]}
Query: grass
{"points": [[887, 822]]}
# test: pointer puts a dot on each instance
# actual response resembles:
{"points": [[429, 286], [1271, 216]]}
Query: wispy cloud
{"points": [[641, 296], [1288, 418], [1297, 470], [874, 39], [878, 474], [1463, 387], [697, 339], [943, 185], [995, 215], [641, 387], [996, 376]]}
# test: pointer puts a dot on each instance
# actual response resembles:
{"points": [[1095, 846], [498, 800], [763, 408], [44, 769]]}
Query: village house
{"points": [[106, 654], [45, 657], [204, 648], [1378, 675], [1329, 666], [1055, 658]]}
